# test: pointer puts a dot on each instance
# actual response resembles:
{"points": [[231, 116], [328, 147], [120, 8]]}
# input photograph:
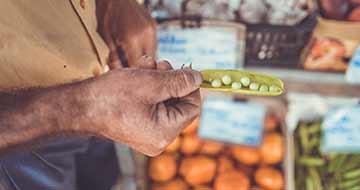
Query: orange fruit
{"points": [[174, 146], [271, 122], [272, 149], [211, 147], [162, 167], [190, 144], [198, 170], [202, 188], [246, 155], [224, 163], [269, 178], [176, 184], [192, 128], [232, 180]]}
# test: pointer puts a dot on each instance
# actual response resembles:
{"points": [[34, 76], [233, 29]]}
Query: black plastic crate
{"points": [[277, 46]]}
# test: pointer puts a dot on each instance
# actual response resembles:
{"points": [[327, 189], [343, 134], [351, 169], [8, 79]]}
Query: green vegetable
{"points": [[245, 81], [251, 83], [315, 170], [311, 161], [353, 174], [216, 83], [274, 88], [226, 79], [236, 85], [316, 178], [309, 183], [254, 86], [263, 88], [350, 184]]}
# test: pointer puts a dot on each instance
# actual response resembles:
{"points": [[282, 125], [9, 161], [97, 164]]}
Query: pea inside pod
{"points": [[244, 82]]}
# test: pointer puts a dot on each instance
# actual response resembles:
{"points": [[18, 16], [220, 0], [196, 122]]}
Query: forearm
{"points": [[35, 114]]}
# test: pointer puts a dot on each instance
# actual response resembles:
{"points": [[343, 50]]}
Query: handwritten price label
{"points": [[353, 71], [233, 122], [341, 130], [205, 48]]}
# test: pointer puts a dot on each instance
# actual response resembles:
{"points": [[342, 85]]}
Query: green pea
{"points": [[245, 81], [263, 88], [216, 83], [274, 88], [226, 79], [254, 86], [236, 85]]}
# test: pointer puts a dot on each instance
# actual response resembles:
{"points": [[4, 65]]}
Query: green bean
{"points": [[314, 128], [349, 184], [352, 174], [316, 177], [304, 140], [337, 162], [311, 161], [309, 184]]}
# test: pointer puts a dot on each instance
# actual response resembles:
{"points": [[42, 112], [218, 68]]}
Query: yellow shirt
{"points": [[49, 42]]}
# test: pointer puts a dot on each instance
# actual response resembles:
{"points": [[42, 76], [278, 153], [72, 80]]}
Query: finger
{"points": [[180, 112], [114, 61], [146, 62], [150, 40], [178, 83], [105, 30], [132, 51], [164, 65]]}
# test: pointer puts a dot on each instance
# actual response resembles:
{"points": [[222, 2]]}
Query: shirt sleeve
{"points": [[44, 43]]}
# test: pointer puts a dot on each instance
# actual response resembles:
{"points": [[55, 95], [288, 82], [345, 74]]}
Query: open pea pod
{"points": [[275, 86]]}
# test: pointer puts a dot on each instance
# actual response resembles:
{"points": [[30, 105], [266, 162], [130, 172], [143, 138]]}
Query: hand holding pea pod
{"points": [[145, 108]]}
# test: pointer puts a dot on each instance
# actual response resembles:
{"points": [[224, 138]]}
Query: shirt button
{"points": [[82, 3]]}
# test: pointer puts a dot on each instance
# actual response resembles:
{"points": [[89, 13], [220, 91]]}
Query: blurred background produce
{"points": [[316, 170], [193, 163]]}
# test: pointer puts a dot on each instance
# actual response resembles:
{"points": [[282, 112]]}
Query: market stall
{"points": [[304, 137]]}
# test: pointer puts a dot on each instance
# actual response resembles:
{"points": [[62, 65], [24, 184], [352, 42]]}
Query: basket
{"points": [[277, 46]]}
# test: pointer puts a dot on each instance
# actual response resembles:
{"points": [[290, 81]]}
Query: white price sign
{"points": [[232, 121], [205, 48], [341, 130], [353, 71]]}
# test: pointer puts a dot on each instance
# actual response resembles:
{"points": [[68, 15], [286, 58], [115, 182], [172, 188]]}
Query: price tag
{"points": [[353, 71], [341, 130], [232, 121], [205, 48]]}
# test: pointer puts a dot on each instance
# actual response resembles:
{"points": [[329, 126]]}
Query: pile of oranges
{"points": [[190, 163]]}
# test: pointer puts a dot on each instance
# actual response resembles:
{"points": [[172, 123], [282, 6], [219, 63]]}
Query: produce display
{"points": [[242, 82], [329, 54], [196, 164], [277, 12], [315, 170], [347, 10]]}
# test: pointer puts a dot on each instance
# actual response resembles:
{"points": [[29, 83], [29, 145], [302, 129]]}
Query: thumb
{"points": [[179, 83]]}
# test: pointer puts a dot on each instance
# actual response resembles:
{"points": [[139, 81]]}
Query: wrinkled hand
{"points": [[127, 29], [144, 108]]}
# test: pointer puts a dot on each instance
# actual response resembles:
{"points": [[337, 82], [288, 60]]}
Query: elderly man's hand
{"points": [[127, 29], [144, 108]]}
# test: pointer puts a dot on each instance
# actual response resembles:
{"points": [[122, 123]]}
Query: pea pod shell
{"points": [[236, 75]]}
